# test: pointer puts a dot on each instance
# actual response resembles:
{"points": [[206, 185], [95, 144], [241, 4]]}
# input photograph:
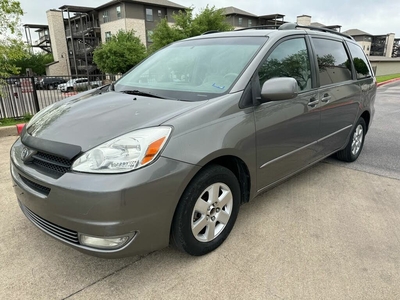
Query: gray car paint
{"points": [[90, 121], [144, 201]]}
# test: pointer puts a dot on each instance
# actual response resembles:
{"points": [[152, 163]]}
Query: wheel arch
{"points": [[367, 118], [239, 168]]}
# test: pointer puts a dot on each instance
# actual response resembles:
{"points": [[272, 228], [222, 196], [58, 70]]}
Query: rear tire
{"points": [[355, 144], [207, 211]]}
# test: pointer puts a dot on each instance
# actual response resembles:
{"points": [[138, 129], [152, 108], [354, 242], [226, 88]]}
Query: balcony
{"points": [[43, 39], [78, 31]]}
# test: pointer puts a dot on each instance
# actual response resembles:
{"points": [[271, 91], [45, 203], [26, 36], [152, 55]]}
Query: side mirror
{"points": [[276, 89]]}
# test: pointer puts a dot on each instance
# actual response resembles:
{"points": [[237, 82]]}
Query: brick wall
{"points": [[124, 24], [139, 27], [58, 44]]}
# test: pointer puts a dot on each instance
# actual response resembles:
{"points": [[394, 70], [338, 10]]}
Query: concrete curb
{"points": [[8, 131], [388, 81]]}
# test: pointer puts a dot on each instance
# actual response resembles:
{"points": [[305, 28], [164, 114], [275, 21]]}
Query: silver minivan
{"points": [[168, 153]]}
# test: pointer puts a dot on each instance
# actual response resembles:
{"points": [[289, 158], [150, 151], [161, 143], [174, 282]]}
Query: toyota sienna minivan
{"points": [[168, 153]]}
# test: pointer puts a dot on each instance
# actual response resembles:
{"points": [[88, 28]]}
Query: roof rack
{"points": [[289, 26], [210, 31], [259, 27]]}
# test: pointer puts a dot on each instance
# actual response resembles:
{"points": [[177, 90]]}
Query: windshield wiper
{"points": [[140, 93]]}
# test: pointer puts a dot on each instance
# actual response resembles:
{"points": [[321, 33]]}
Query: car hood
{"points": [[92, 118]]}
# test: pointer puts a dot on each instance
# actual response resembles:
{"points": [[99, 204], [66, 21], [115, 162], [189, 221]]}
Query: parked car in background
{"points": [[169, 152], [13, 81], [50, 83], [79, 83]]}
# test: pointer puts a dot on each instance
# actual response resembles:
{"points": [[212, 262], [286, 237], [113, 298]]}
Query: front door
{"points": [[287, 131]]}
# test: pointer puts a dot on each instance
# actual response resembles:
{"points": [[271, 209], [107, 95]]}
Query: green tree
{"points": [[326, 61], [35, 61], [11, 45], [360, 66], [186, 25], [119, 54]]}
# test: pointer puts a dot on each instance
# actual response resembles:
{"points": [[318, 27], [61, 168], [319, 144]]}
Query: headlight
{"points": [[125, 153]]}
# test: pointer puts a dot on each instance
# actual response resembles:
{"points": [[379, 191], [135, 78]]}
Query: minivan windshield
{"points": [[192, 70]]}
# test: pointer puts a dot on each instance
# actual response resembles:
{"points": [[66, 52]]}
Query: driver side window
{"points": [[288, 59]]}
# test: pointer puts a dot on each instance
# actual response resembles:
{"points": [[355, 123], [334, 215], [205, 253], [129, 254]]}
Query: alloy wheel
{"points": [[357, 139], [212, 212]]}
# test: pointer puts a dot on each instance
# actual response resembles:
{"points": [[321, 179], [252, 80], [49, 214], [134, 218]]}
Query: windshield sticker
{"points": [[218, 87]]}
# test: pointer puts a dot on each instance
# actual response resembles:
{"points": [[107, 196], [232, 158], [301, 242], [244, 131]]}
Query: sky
{"points": [[375, 17]]}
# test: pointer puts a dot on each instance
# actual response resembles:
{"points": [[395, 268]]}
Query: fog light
{"points": [[103, 243]]}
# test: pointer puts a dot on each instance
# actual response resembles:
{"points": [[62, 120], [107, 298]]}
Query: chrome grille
{"points": [[62, 233], [51, 163], [35, 186]]}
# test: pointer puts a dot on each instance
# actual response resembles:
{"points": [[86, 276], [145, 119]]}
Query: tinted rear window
{"points": [[333, 61], [360, 61]]}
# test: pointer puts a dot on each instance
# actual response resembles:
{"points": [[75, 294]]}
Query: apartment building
{"points": [[386, 45], [141, 16], [239, 18], [305, 20], [74, 32]]}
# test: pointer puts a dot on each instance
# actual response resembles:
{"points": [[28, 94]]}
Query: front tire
{"points": [[207, 211], [355, 144]]}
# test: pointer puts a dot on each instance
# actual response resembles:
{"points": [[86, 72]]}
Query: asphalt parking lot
{"points": [[331, 232]]}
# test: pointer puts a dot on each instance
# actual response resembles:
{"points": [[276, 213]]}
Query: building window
{"points": [[249, 23], [159, 13], [108, 36], [240, 21], [118, 12], [149, 34], [149, 14], [105, 16]]}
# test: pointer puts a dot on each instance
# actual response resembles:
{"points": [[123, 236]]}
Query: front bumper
{"points": [[140, 204]]}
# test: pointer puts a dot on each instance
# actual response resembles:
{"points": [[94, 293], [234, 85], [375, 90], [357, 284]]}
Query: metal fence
{"points": [[20, 96]]}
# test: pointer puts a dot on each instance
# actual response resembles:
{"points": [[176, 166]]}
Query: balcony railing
{"points": [[42, 39], [78, 31], [88, 49]]}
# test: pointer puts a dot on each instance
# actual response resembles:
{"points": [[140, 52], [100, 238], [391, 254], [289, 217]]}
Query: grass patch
{"points": [[12, 121], [387, 77]]}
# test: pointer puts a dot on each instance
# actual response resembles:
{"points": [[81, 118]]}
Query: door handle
{"points": [[313, 102], [326, 98]]}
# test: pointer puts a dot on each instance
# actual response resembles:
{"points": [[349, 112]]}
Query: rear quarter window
{"points": [[333, 61], [360, 61]]}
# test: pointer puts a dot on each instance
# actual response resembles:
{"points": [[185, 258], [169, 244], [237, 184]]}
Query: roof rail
{"points": [[259, 27], [210, 31], [289, 26]]}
